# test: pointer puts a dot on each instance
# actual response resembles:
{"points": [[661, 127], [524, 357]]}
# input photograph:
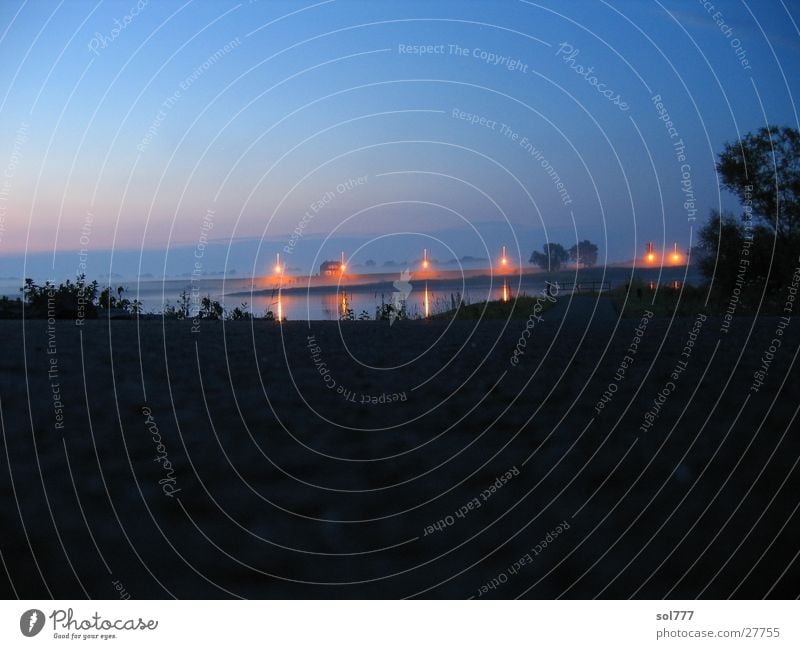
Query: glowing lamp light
{"points": [[503, 258], [676, 256], [425, 263], [342, 265], [278, 267], [650, 255]]}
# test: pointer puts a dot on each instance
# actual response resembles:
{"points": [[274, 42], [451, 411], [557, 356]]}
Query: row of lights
{"points": [[649, 257], [280, 268], [650, 254]]}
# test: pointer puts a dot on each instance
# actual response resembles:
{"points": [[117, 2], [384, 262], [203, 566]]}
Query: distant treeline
{"points": [[554, 254]]}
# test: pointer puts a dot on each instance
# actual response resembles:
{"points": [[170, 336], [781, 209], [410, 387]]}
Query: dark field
{"points": [[344, 466]]}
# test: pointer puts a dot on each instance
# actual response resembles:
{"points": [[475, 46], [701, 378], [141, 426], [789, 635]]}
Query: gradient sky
{"points": [[310, 95]]}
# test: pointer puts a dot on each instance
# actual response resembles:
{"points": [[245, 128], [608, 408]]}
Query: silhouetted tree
{"points": [[763, 170], [759, 250], [584, 252], [551, 259]]}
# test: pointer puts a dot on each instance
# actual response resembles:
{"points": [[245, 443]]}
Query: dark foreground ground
{"points": [[366, 462]]}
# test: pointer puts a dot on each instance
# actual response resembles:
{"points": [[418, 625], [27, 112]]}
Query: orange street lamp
{"points": [[425, 258], [676, 256], [650, 255]]}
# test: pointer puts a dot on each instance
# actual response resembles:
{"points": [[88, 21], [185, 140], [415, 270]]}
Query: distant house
{"points": [[330, 268]]}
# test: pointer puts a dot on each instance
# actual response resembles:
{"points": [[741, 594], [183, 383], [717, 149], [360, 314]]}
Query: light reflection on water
{"points": [[331, 306], [423, 299]]}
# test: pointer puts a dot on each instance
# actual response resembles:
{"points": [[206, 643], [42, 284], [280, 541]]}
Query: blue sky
{"points": [[253, 111]]}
